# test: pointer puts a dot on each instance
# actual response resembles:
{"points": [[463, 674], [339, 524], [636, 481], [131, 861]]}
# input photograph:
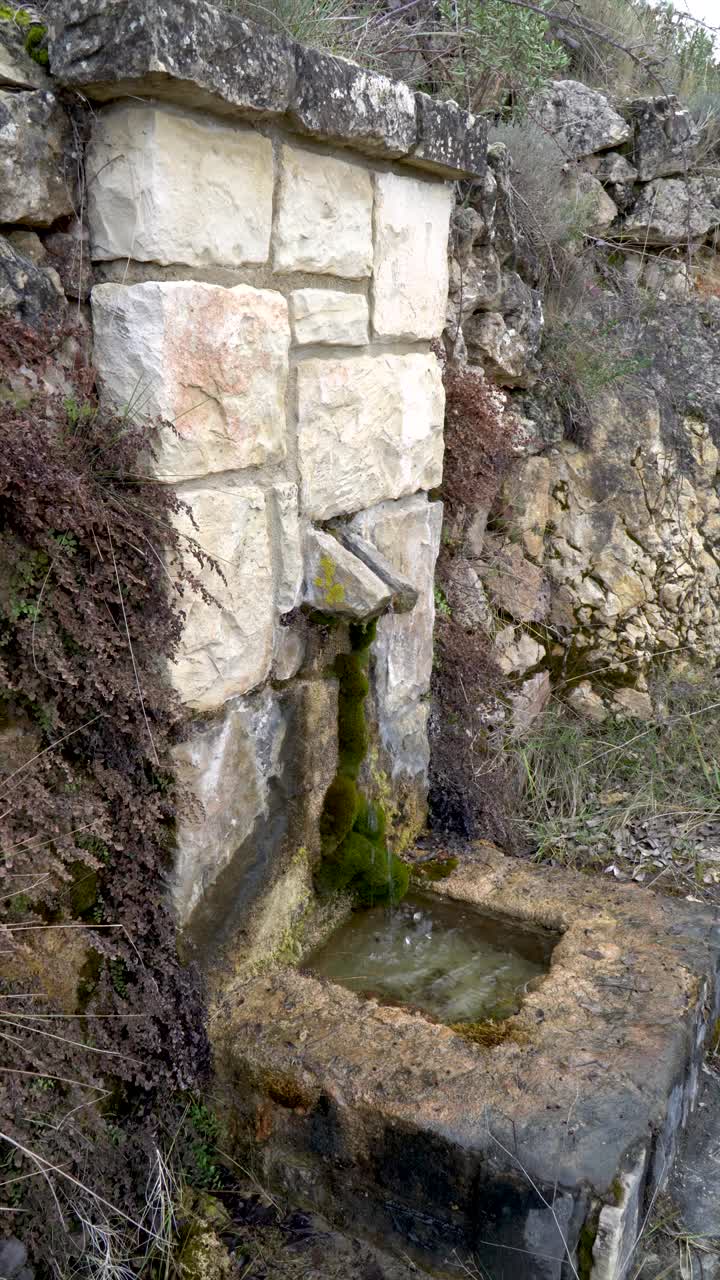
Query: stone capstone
{"points": [[194, 54], [337, 100], [329, 317], [338, 583], [226, 647], [665, 137], [324, 215], [407, 535], [35, 159], [186, 51], [172, 187], [450, 141], [411, 228], [674, 211], [369, 428], [579, 118], [208, 360]]}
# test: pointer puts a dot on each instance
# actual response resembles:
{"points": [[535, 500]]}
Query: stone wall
{"points": [[268, 239], [600, 554]]}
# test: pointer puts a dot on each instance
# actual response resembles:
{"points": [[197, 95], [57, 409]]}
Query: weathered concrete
{"points": [[379, 1116]]}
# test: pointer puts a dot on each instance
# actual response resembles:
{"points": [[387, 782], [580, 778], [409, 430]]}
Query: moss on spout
{"points": [[352, 829]]}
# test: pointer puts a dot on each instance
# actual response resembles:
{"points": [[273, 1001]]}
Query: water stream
{"points": [[441, 957]]}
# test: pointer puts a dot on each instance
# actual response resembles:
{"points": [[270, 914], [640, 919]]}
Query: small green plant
{"points": [[441, 603]]}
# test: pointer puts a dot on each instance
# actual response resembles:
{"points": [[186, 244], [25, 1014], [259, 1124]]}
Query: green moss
{"points": [[435, 868], [616, 1190], [586, 1240], [352, 828], [339, 810], [487, 1033], [34, 44]]}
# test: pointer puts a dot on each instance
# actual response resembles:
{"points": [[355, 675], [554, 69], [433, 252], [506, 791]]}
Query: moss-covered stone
{"points": [[356, 858], [435, 869]]}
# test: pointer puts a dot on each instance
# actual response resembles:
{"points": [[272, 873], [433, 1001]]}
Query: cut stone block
{"points": [[226, 767], [340, 101], [369, 428], [410, 281], [167, 186], [35, 148], [245, 849], [338, 583], [442, 1145], [407, 535], [210, 360], [324, 216], [329, 317], [226, 648], [288, 545]]}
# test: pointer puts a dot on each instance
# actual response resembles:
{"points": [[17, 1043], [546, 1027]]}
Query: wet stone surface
{"points": [[440, 958], [396, 1125]]}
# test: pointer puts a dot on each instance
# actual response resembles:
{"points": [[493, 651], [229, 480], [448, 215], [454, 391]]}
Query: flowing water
{"points": [[441, 957]]}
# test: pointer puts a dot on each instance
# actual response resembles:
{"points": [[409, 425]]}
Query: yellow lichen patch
{"points": [[333, 592]]}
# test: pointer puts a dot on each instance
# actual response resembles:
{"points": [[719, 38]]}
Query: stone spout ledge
{"points": [[347, 578], [191, 53]]}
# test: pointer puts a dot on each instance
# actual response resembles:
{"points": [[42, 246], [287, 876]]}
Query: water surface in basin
{"points": [[439, 956]]}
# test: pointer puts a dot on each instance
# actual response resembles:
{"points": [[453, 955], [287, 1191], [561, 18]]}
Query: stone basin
{"points": [[537, 1156]]}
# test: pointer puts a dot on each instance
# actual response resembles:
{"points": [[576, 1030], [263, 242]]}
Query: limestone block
{"points": [[210, 360], [634, 703], [338, 100], [517, 651], [35, 158], [17, 69], [288, 545], [586, 702], [329, 317], [226, 647], [407, 534], [514, 583], [225, 767], [673, 210], [324, 216], [289, 646], [338, 583], [581, 119], [410, 280], [28, 290], [450, 141], [665, 137], [369, 428], [530, 701], [168, 186]]}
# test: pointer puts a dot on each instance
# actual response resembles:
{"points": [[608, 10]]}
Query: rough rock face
{"points": [[580, 119], [664, 137], [674, 211], [17, 69], [27, 289], [35, 181]]}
